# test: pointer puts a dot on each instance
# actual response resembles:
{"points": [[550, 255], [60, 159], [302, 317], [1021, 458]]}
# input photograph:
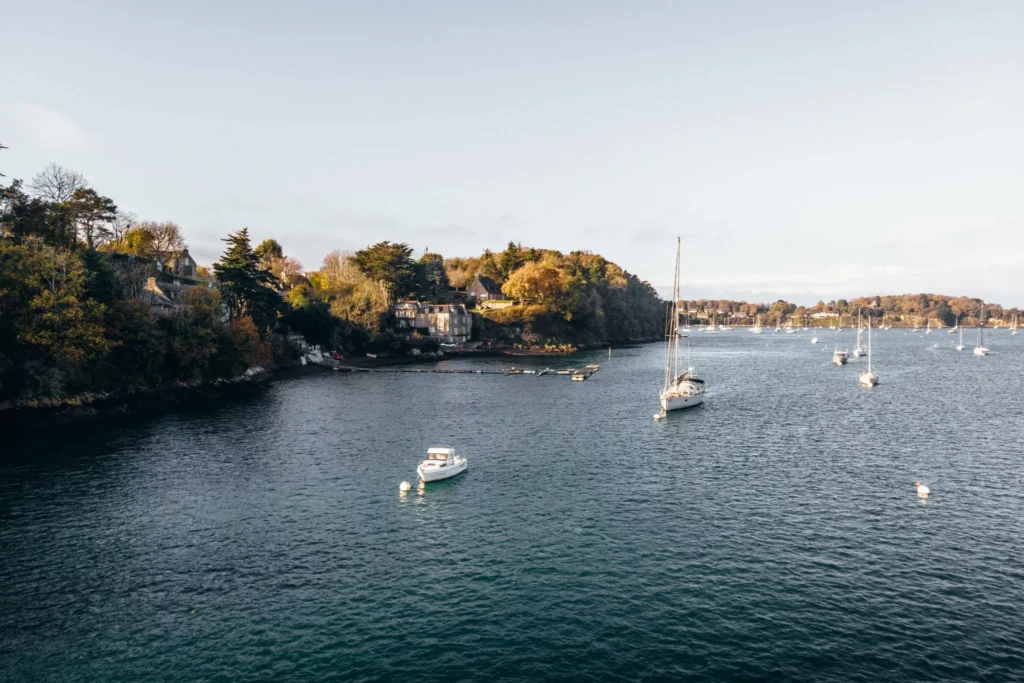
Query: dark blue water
{"points": [[773, 533]]}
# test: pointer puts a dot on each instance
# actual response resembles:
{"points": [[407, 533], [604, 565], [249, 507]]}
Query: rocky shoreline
{"points": [[135, 401], [56, 412]]}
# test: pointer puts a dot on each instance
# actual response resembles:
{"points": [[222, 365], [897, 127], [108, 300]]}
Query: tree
{"points": [[433, 279], [246, 288], [57, 184], [511, 259], [22, 215], [488, 266], [535, 282], [267, 251], [49, 327], [287, 270], [166, 240], [93, 216], [390, 264]]}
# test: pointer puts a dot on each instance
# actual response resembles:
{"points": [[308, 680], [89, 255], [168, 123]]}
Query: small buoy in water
{"points": [[404, 486], [922, 490], [658, 416]]}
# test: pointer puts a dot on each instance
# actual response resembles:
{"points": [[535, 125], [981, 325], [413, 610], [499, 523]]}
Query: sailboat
{"points": [[756, 329], [929, 329], [711, 328], [778, 324], [960, 346], [1013, 328], [687, 328], [859, 349], [681, 389], [980, 349], [869, 378]]}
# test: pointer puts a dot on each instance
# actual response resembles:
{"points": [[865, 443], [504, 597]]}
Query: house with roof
{"points": [[485, 289], [448, 323]]}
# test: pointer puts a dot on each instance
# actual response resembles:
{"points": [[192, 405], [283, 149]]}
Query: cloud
{"points": [[47, 127]]}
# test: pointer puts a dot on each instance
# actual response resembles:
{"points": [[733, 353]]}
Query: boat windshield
{"points": [[437, 456]]}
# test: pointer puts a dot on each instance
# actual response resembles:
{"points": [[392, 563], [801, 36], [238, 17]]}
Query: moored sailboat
{"points": [[682, 388], [980, 349], [859, 349], [869, 378]]}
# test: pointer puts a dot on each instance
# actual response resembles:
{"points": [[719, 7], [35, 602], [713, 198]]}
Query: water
{"points": [[773, 533]]}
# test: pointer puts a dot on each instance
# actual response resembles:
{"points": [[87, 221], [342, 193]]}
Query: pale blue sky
{"points": [[803, 149]]}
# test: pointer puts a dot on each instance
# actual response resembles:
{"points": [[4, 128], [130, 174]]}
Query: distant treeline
{"points": [[897, 309]]}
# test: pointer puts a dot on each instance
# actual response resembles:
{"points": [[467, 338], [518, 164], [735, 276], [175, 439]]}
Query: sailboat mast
{"points": [[869, 343], [672, 346]]}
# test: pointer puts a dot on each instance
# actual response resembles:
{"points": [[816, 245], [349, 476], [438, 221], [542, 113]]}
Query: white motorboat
{"points": [[869, 378], [980, 349], [682, 389], [839, 356], [814, 340], [441, 463]]}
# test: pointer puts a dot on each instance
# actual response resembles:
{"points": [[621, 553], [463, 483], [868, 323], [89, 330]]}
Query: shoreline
{"points": [[89, 408]]}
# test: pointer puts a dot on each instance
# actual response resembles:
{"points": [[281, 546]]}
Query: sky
{"points": [[802, 150]]}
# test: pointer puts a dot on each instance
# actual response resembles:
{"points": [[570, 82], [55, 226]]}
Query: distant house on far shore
{"points": [[484, 289]]}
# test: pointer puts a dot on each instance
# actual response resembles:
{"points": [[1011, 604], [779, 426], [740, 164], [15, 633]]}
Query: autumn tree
{"points": [[533, 282]]}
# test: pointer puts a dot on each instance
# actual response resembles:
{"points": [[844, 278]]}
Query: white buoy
{"points": [[922, 490], [404, 486]]}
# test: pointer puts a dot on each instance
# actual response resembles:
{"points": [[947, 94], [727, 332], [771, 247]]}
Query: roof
{"points": [[446, 451], [490, 285]]}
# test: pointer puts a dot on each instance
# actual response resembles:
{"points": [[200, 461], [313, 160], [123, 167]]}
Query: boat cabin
{"points": [[440, 455]]}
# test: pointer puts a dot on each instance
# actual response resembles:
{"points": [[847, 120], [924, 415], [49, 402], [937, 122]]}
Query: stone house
{"points": [[448, 323], [484, 289]]}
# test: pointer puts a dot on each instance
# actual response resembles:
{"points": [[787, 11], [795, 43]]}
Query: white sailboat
{"points": [[929, 328], [778, 324], [960, 346], [859, 349], [756, 329], [681, 389], [980, 349], [1013, 328], [869, 378]]}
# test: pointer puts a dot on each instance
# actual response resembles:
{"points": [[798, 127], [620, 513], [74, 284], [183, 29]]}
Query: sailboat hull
{"points": [[680, 402]]}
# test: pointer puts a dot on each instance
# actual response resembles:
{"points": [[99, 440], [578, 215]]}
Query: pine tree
{"points": [[246, 288]]}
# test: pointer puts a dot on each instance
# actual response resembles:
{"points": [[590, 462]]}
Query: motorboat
{"points": [[840, 356], [682, 389], [814, 340], [441, 463]]}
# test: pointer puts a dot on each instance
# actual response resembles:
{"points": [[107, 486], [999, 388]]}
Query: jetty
{"points": [[576, 374]]}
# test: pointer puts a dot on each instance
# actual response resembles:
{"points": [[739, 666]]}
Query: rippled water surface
{"points": [[773, 533]]}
